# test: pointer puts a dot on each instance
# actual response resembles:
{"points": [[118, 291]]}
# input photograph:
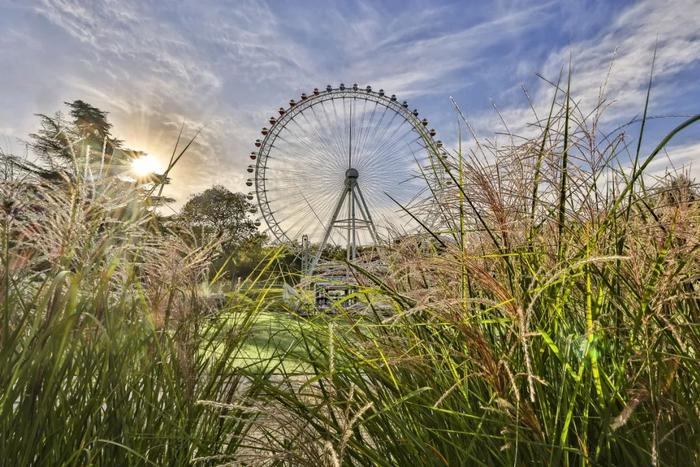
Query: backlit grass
{"points": [[549, 318]]}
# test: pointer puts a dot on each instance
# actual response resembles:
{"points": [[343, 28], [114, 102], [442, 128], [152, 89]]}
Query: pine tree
{"points": [[79, 146]]}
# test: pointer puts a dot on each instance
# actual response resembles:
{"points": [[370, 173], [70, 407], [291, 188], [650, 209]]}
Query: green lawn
{"points": [[270, 341]]}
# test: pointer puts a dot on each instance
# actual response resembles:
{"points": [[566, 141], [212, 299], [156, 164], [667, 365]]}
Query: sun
{"points": [[145, 165]]}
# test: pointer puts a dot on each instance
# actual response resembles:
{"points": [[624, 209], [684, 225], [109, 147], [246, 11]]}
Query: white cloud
{"points": [[125, 31], [219, 66], [684, 159], [205, 61], [616, 64]]}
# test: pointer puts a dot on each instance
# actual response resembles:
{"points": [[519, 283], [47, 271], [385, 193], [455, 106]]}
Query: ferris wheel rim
{"points": [[288, 114]]}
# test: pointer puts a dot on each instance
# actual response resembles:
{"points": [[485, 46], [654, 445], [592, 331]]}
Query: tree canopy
{"points": [[59, 141], [219, 211], [80, 144], [224, 214]]}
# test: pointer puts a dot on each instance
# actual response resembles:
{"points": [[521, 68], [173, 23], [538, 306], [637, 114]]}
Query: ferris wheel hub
{"points": [[351, 173]]}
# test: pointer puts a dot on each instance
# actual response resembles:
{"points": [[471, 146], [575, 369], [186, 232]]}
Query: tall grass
{"points": [[110, 353], [559, 327], [550, 319]]}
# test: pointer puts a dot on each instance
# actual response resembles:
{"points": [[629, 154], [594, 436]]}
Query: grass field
{"points": [[272, 340]]}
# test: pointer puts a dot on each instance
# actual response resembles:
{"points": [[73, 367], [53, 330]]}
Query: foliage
{"points": [[220, 212], [109, 351], [57, 139], [82, 146]]}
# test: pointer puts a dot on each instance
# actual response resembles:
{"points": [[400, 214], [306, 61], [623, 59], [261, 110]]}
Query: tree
{"points": [[62, 143], [82, 146], [220, 212], [91, 123]]}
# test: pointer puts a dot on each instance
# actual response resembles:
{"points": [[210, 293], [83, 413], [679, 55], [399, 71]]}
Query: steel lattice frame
{"points": [[287, 115]]}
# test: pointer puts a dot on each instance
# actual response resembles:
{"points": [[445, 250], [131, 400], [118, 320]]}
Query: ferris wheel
{"points": [[340, 167]]}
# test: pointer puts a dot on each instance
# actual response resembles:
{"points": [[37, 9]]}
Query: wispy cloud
{"points": [[225, 66], [614, 65]]}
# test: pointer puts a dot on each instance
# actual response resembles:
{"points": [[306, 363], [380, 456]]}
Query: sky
{"points": [[223, 67]]}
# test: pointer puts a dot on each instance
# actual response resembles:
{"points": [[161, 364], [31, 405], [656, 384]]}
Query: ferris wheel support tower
{"points": [[356, 202]]}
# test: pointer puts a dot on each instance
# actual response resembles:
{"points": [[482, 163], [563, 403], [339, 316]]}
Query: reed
{"points": [[557, 327], [110, 350], [549, 318]]}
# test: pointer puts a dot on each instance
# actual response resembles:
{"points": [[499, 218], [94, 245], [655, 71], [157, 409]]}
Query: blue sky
{"points": [[225, 66]]}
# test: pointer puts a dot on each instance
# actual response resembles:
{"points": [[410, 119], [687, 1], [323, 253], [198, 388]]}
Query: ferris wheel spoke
{"points": [[323, 152], [316, 228], [284, 181], [365, 120], [371, 168], [304, 212], [371, 203], [344, 130], [299, 218], [293, 216], [332, 142], [396, 162], [302, 203], [300, 164], [285, 151], [340, 131], [320, 151], [324, 206], [319, 196], [348, 128], [389, 157], [388, 140], [318, 187], [302, 147], [332, 127], [290, 224], [322, 198], [361, 126], [302, 222], [328, 149], [276, 195], [396, 152], [300, 141], [379, 140], [370, 127], [373, 131], [286, 176], [290, 161]]}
